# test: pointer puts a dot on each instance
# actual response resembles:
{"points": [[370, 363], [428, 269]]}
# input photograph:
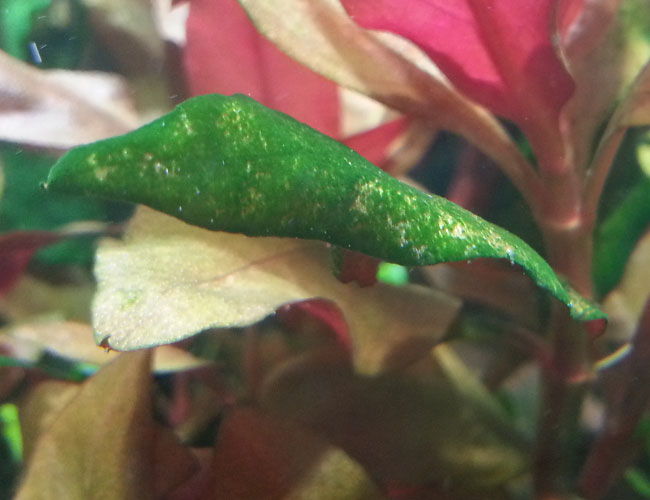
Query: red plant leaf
{"points": [[374, 144], [16, 249], [258, 456], [226, 54], [568, 11], [318, 316], [498, 52], [358, 267]]}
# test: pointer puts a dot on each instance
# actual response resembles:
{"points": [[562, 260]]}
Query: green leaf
{"points": [[16, 23], [639, 481], [24, 206], [231, 164], [10, 425], [618, 235]]}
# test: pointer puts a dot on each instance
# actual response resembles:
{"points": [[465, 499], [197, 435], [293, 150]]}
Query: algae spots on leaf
{"points": [[101, 173], [262, 173]]}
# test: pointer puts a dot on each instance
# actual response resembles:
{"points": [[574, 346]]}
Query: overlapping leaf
{"points": [[248, 63], [498, 53], [261, 457], [60, 109], [167, 280], [322, 36], [440, 428], [73, 341], [105, 443], [252, 65], [230, 164]]}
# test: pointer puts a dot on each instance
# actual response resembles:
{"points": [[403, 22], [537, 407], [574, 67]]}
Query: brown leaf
{"points": [[40, 409], [60, 109], [32, 298], [408, 432], [103, 443], [128, 30], [74, 340], [260, 457]]}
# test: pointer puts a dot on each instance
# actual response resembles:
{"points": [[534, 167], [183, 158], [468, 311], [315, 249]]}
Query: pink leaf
{"points": [[373, 144], [498, 52], [318, 315], [568, 12], [226, 54]]}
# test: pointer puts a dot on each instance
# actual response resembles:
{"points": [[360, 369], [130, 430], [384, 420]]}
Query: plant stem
{"points": [[567, 229], [615, 446], [563, 387], [600, 170], [568, 235]]}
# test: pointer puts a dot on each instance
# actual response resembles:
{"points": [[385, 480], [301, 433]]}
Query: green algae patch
{"points": [[231, 164]]}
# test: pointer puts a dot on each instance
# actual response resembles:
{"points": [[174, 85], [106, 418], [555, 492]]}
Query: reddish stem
{"points": [[567, 231], [615, 447]]}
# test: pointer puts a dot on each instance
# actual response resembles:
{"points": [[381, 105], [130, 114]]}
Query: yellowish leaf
{"points": [[100, 446], [103, 441], [74, 341], [625, 303], [167, 280]]}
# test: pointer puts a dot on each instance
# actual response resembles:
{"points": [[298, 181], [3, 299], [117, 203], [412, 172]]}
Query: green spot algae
{"points": [[231, 164]]}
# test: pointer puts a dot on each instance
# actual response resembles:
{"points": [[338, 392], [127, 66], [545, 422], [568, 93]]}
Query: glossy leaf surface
{"points": [[230, 164]]}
